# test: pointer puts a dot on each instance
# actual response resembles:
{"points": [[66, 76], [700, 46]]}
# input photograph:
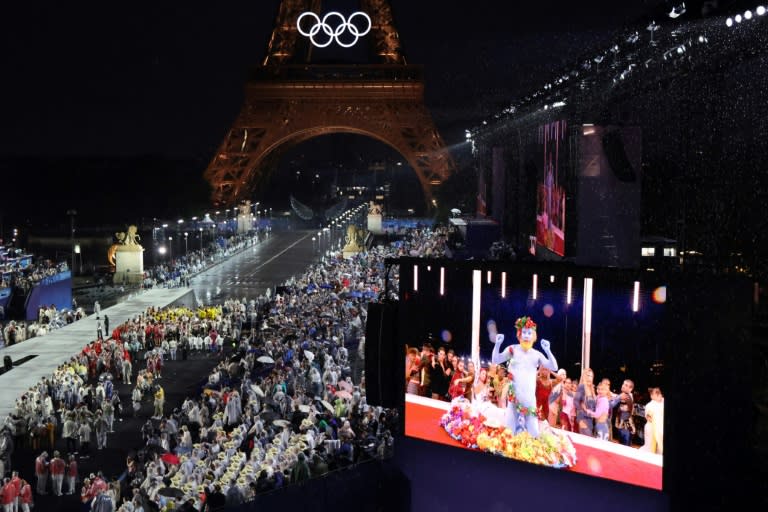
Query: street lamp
{"points": [[201, 239], [186, 248], [77, 251], [170, 248], [72, 214]]}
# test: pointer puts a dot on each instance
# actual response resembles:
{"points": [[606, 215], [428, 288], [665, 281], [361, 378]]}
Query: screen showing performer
{"points": [[558, 366], [551, 164]]}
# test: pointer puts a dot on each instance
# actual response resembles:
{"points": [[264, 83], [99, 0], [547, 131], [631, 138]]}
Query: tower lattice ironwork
{"points": [[289, 99]]}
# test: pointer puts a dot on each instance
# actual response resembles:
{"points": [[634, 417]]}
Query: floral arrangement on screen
{"points": [[552, 448]]}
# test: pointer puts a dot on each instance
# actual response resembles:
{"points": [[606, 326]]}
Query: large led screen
{"points": [[555, 365], [551, 162]]}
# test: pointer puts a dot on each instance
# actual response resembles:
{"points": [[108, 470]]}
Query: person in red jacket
{"points": [[71, 474], [8, 495], [41, 471], [57, 467], [25, 496], [16, 483]]}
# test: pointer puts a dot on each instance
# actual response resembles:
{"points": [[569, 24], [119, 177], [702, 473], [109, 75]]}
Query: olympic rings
{"points": [[333, 34]]}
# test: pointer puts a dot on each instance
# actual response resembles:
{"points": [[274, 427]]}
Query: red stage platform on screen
{"points": [[604, 459]]}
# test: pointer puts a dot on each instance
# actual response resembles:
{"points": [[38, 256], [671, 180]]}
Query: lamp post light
{"points": [[170, 248], [72, 214], [79, 252], [186, 247], [201, 240]]}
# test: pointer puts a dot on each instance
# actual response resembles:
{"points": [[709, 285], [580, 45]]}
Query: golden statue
{"points": [[126, 241], [245, 208], [374, 209], [355, 239]]}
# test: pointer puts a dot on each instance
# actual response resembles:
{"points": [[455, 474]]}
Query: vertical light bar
{"points": [[503, 284], [489, 277], [477, 281], [586, 330], [636, 297], [535, 291], [442, 280], [429, 268], [569, 290], [415, 278], [551, 278]]}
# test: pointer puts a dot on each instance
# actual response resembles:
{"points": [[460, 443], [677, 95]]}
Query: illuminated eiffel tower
{"points": [[289, 99]]}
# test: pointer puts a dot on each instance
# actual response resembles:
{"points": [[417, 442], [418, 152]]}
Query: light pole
{"points": [[186, 248], [170, 248], [78, 252], [72, 214], [201, 240]]}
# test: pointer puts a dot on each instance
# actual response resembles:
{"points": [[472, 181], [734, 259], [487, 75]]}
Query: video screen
{"points": [[555, 365], [551, 164]]}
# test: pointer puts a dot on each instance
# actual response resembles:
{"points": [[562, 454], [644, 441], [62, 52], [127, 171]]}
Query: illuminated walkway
{"points": [[61, 344]]}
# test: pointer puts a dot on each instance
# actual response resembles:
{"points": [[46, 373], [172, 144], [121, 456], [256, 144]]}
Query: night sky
{"points": [[83, 79], [117, 111]]}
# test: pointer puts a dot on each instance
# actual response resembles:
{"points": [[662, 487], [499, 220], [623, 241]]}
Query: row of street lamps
{"points": [[206, 219], [334, 232]]}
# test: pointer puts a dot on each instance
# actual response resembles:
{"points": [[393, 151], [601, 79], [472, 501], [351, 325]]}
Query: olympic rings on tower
{"points": [[333, 34]]}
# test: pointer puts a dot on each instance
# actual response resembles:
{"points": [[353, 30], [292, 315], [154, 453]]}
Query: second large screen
{"points": [[551, 158]]}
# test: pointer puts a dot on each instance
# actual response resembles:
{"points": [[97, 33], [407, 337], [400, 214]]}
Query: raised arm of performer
{"points": [[498, 357], [549, 362]]}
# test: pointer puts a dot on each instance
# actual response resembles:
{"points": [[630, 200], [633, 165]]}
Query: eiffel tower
{"points": [[289, 100]]}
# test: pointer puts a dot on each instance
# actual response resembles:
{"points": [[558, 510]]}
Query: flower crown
{"points": [[525, 322]]}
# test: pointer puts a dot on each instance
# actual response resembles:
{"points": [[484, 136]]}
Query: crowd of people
{"points": [[576, 406], [284, 402], [179, 270], [49, 318], [173, 274], [13, 273]]}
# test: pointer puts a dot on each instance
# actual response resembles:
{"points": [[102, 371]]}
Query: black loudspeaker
{"points": [[7, 363], [617, 156], [383, 368]]}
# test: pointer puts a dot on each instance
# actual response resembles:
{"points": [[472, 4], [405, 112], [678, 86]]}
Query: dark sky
{"points": [[165, 80], [86, 78]]}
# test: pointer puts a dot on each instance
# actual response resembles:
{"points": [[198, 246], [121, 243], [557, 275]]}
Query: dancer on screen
{"points": [[524, 363]]}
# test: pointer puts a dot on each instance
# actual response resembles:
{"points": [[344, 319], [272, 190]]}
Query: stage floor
{"points": [[604, 459]]}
